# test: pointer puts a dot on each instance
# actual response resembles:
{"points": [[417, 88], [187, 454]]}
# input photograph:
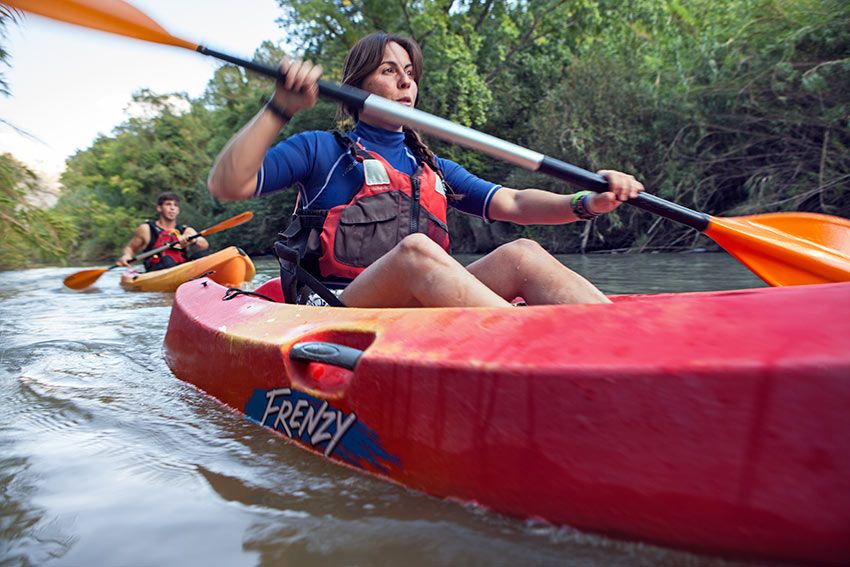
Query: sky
{"points": [[70, 84]]}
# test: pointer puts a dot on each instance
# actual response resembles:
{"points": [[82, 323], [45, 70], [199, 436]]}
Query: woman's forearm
{"points": [[535, 206], [531, 206]]}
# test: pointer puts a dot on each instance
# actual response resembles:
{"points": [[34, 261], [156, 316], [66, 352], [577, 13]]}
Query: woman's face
{"points": [[393, 79]]}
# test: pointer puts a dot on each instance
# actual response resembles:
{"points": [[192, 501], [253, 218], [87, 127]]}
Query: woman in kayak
{"points": [[389, 246]]}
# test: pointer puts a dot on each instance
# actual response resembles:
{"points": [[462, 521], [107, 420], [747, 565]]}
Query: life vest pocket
{"points": [[436, 229], [368, 229]]}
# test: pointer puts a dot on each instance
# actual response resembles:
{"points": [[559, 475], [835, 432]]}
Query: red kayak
{"points": [[716, 422]]}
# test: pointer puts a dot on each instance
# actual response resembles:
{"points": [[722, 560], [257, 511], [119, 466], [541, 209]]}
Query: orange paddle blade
{"points": [[84, 278], [787, 248], [112, 16], [229, 223]]}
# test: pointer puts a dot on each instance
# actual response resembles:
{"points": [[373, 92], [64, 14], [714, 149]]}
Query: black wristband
{"points": [[278, 111]]}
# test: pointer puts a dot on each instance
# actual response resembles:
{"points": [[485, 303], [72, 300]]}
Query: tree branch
{"points": [[485, 11]]}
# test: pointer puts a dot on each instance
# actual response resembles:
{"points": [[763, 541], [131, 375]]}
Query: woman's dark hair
{"points": [[364, 57]]}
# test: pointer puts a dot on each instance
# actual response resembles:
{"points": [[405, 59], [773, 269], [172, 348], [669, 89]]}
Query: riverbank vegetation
{"points": [[732, 108]]}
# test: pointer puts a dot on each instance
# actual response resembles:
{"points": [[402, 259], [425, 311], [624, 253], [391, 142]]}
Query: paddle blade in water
{"points": [[83, 279], [112, 16], [788, 248]]}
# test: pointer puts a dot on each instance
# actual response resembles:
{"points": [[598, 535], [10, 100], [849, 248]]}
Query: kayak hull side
{"points": [[229, 267], [714, 422]]}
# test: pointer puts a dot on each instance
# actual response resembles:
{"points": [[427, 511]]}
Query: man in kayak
{"points": [[389, 246], [164, 230]]}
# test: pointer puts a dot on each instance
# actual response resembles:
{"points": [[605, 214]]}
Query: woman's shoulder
{"points": [[312, 143], [323, 137], [446, 164]]}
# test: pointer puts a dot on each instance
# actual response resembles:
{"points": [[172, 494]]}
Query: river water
{"points": [[107, 459]]}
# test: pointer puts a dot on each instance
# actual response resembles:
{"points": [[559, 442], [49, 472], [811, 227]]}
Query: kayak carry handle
{"points": [[326, 353]]}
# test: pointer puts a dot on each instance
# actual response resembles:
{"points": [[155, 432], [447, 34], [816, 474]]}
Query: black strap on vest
{"points": [[294, 278], [305, 220], [152, 261], [155, 232], [347, 143]]}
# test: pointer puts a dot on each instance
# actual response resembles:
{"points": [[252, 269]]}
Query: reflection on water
{"points": [[105, 457]]}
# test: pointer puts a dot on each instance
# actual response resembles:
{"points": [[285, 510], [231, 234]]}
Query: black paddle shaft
{"points": [[369, 104], [595, 182], [341, 93]]}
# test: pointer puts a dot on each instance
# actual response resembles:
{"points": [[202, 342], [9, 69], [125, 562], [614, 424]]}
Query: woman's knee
{"points": [[419, 247], [522, 248]]}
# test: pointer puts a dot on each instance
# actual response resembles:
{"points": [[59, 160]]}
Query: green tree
{"points": [[28, 234], [7, 15], [113, 185], [732, 107]]}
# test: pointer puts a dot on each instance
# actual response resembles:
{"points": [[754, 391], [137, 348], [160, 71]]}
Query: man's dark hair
{"points": [[167, 196]]}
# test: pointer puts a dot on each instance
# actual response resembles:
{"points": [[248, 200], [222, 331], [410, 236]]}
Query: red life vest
{"points": [[388, 206], [161, 237]]}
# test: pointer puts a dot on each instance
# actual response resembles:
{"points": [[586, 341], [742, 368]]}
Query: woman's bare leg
{"points": [[523, 268], [418, 272]]}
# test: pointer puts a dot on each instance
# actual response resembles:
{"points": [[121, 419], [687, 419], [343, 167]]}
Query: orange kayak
{"points": [[716, 422], [230, 267]]}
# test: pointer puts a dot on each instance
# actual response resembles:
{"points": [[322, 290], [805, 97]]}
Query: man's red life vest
{"points": [[388, 206], [161, 237]]}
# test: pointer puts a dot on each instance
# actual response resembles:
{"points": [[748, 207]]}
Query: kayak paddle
{"points": [[84, 278], [781, 248]]}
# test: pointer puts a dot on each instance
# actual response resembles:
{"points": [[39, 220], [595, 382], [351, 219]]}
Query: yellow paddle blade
{"points": [[787, 248], [112, 16], [84, 278]]}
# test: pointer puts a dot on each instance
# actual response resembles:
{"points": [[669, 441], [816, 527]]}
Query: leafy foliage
{"points": [[28, 234], [730, 108], [7, 15], [726, 107]]}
